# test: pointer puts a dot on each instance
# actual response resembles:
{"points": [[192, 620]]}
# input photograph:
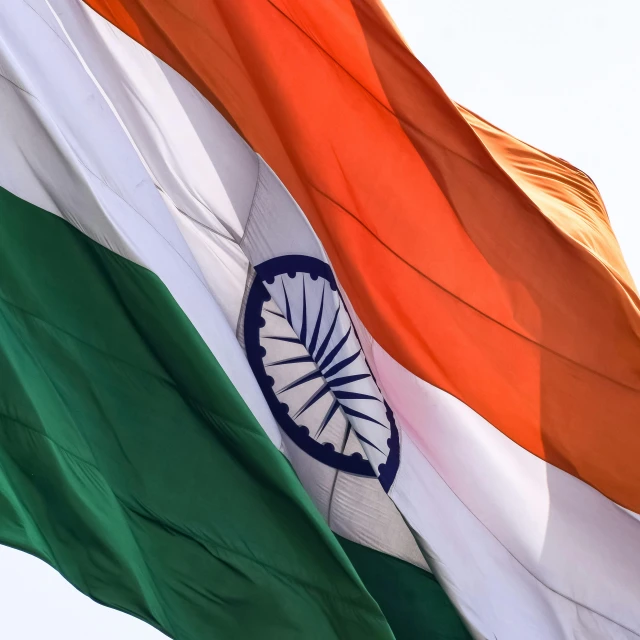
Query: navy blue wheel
{"points": [[306, 355]]}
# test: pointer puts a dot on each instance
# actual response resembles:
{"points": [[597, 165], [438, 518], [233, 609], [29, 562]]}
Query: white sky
{"points": [[563, 75]]}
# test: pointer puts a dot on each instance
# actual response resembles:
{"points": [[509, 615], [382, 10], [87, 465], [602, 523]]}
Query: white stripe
{"points": [[555, 534], [204, 171], [496, 593], [63, 149]]}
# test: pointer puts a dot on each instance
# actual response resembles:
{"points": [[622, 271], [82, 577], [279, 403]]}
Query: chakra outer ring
{"points": [[253, 322]]}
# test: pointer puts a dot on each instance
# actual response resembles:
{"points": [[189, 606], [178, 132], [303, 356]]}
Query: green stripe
{"points": [[129, 462], [413, 602]]}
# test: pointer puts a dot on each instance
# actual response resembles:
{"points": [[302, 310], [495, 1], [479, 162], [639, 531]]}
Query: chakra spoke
{"points": [[363, 439], [276, 313], [352, 395], [341, 365], [286, 301], [291, 361], [334, 407], [339, 382], [319, 394], [303, 328], [306, 378], [363, 416], [325, 342], [334, 352], [316, 330], [282, 339]]}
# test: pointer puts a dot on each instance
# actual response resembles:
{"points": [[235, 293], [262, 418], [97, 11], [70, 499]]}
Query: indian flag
{"points": [[292, 346]]}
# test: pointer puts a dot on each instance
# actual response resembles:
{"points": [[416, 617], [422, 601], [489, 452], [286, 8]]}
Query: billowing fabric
{"points": [[564, 194], [111, 159], [129, 461], [414, 337], [485, 510], [460, 269]]}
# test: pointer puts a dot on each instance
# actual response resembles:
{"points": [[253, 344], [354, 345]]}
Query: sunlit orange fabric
{"points": [[482, 265], [566, 195]]}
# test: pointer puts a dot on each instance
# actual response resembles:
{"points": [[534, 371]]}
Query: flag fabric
{"points": [[131, 458], [140, 457], [430, 319]]}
